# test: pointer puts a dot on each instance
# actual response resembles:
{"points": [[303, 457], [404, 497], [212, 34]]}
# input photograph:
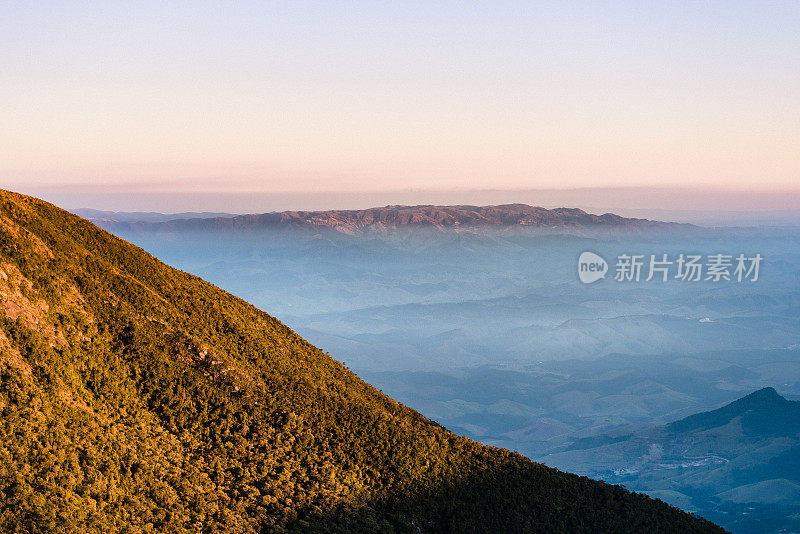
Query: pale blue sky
{"points": [[315, 96]]}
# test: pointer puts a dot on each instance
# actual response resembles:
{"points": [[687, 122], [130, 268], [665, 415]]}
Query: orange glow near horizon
{"points": [[481, 97]]}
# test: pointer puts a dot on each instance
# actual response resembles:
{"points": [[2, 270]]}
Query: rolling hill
{"points": [[138, 398]]}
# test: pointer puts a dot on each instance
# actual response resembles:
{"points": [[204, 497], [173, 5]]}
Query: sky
{"points": [[148, 98]]}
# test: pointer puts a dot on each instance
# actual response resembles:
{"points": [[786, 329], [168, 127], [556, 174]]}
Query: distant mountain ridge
{"points": [[383, 219], [149, 216]]}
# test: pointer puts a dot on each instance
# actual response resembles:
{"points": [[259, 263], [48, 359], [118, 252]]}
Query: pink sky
{"points": [[304, 98], [633, 201]]}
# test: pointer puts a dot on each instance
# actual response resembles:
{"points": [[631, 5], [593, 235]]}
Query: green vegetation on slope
{"points": [[138, 398]]}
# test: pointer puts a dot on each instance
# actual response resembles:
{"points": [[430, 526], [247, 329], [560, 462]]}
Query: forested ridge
{"points": [[138, 398]]}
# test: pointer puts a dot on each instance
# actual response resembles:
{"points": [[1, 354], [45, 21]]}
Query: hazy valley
{"points": [[489, 332]]}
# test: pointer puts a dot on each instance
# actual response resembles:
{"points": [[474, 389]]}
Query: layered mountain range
{"points": [[137, 398]]}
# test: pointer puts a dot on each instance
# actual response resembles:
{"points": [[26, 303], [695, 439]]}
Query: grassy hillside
{"points": [[138, 398]]}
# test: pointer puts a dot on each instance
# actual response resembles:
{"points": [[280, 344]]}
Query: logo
{"points": [[686, 267], [591, 267]]}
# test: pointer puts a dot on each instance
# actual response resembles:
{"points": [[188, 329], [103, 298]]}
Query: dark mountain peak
{"points": [[762, 398], [762, 412]]}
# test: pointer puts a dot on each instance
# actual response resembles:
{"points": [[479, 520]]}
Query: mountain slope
{"points": [[135, 397]]}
